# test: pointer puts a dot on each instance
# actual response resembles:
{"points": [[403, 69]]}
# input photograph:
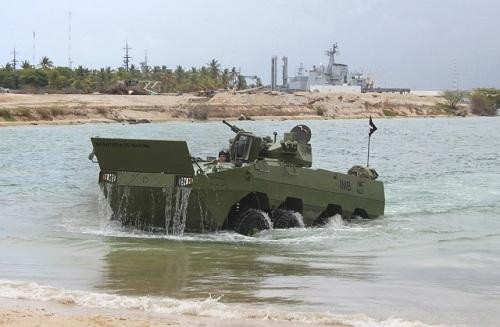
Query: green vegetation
{"points": [[24, 112], [453, 99], [47, 78], [6, 115], [321, 111], [485, 102], [389, 113]]}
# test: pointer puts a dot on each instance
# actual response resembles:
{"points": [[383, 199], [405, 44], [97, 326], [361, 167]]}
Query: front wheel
{"points": [[251, 221], [285, 219]]}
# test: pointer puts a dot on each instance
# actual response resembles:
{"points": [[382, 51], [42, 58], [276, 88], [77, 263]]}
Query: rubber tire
{"points": [[250, 222], [284, 219]]}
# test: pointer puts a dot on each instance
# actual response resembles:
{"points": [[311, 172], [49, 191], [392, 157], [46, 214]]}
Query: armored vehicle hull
{"points": [[156, 185]]}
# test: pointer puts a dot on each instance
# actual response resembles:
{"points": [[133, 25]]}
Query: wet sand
{"points": [[20, 313]]}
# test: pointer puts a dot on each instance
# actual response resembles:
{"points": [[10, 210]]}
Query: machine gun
{"points": [[233, 127]]}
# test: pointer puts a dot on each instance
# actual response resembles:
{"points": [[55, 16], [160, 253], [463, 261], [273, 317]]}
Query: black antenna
{"points": [[14, 59], [127, 58]]}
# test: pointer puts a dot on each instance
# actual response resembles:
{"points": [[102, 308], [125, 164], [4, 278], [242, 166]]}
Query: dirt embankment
{"points": [[64, 109]]}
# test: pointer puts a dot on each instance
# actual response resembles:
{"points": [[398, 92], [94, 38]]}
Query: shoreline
{"points": [[27, 313], [210, 120], [68, 109]]}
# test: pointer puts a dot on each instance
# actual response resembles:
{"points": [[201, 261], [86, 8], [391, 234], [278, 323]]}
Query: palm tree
{"points": [[80, 71], [26, 65], [46, 63], [214, 67], [233, 76], [179, 74], [225, 78]]}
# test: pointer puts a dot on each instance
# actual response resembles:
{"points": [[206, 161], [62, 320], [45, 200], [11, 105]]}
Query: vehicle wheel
{"points": [[284, 219], [250, 222]]}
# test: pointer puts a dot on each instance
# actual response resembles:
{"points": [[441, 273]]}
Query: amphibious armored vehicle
{"points": [[158, 185]]}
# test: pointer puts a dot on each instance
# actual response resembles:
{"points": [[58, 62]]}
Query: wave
{"points": [[334, 228], [210, 307]]}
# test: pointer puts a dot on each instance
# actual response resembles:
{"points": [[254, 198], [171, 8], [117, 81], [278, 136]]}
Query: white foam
{"points": [[335, 222], [268, 220], [335, 228], [299, 218], [210, 307]]}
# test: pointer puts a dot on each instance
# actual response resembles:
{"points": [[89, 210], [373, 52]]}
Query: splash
{"points": [[335, 222], [268, 220], [103, 206], [166, 209], [176, 206], [299, 218]]}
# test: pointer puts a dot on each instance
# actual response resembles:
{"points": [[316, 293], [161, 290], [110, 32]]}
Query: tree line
{"points": [[45, 77], [482, 101]]}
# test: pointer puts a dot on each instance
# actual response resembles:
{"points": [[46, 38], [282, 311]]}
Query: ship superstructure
{"points": [[334, 77]]}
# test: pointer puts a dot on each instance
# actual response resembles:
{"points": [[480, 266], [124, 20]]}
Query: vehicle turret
{"points": [[294, 149]]}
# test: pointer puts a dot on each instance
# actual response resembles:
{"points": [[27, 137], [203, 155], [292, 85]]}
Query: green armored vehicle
{"points": [[261, 183]]}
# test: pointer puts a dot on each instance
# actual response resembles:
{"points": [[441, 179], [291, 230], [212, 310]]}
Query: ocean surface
{"points": [[433, 259]]}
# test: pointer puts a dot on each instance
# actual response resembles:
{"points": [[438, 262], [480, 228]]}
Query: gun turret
{"points": [[294, 149], [233, 128]]}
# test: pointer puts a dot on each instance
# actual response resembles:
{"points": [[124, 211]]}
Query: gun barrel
{"points": [[233, 128]]}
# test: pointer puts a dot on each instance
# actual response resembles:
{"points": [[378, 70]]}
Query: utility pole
{"points": [[144, 64], [455, 85], [70, 62], [127, 58], [33, 63], [14, 60]]}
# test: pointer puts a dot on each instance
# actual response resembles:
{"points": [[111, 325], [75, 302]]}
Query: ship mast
{"points": [[331, 62]]}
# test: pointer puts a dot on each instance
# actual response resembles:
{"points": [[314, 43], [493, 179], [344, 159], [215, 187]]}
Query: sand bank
{"points": [[23, 109]]}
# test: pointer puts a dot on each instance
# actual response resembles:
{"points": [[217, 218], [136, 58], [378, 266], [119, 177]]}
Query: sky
{"points": [[399, 43]]}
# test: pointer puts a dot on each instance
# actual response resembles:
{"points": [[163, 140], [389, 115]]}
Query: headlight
{"points": [[184, 181], [107, 177]]}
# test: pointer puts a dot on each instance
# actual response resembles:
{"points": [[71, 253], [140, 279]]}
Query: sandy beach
{"points": [[23, 109], [23, 313]]}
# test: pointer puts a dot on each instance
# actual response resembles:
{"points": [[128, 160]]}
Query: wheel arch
{"points": [[253, 200]]}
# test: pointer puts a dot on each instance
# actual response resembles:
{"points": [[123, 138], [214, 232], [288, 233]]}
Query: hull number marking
{"points": [[345, 185]]}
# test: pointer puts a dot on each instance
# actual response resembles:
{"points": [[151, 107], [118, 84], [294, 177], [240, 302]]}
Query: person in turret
{"points": [[223, 156]]}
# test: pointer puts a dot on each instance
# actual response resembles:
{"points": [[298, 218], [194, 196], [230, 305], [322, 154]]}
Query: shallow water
{"points": [[434, 257]]}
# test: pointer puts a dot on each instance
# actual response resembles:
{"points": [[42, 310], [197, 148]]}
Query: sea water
{"points": [[434, 258]]}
